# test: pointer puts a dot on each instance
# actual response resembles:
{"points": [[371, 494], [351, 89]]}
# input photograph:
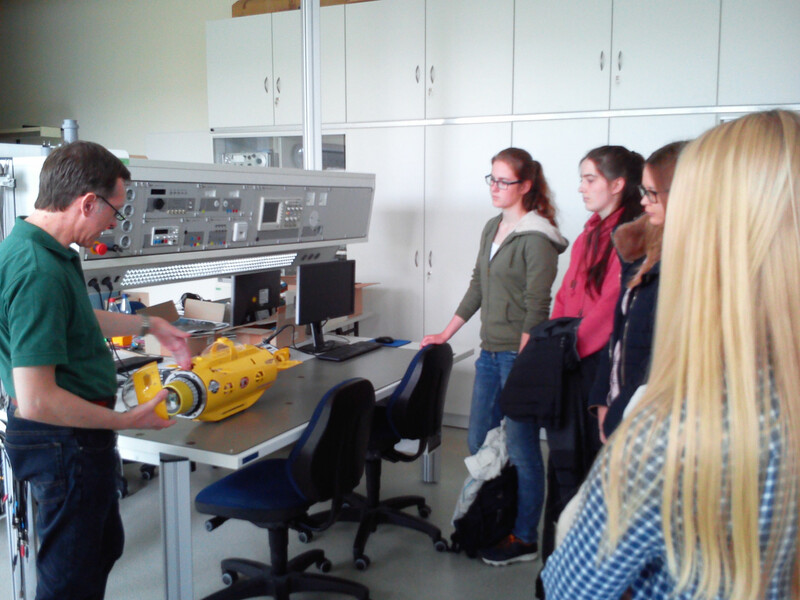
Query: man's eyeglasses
{"points": [[651, 195], [501, 184], [120, 217]]}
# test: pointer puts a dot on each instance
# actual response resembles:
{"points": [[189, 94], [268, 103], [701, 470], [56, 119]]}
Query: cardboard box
{"points": [[254, 333], [245, 8], [193, 309], [359, 303]]}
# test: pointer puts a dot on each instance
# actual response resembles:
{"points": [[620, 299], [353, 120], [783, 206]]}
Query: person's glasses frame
{"points": [[119, 216], [651, 195], [501, 184]]}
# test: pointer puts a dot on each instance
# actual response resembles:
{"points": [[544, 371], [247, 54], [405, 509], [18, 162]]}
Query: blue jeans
{"points": [[72, 473], [491, 372], [525, 453]]}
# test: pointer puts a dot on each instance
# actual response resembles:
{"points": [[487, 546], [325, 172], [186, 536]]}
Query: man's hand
{"points": [[144, 416], [173, 339], [601, 417]]}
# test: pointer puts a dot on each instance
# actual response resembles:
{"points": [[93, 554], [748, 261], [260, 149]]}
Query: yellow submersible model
{"points": [[225, 379]]}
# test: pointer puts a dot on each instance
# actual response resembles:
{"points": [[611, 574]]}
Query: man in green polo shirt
{"points": [[55, 365]]}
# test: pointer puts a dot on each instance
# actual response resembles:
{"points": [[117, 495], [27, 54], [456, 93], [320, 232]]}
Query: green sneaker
{"points": [[510, 550]]}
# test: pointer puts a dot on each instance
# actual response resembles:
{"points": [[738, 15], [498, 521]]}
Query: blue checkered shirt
{"points": [[580, 569]]}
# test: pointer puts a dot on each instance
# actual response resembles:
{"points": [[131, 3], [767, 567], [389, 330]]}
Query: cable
{"points": [[107, 282], [267, 340]]}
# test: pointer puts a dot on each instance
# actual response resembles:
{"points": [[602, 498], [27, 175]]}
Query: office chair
{"points": [[325, 464], [413, 412]]}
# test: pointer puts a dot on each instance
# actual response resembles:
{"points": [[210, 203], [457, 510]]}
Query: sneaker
{"points": [[510, 550]]}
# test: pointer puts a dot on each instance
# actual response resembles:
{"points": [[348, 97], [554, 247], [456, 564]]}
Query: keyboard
{"points": [[348, 351]]}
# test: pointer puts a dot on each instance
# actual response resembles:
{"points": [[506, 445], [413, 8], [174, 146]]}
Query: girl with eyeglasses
{"points": [[624, 363], [696, 494], [609, 177], [516, 265]]}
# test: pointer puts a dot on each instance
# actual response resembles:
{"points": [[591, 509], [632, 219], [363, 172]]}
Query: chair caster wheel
{"points": [[229, 578], [440, 546], [362, 563], [424, 511], [147, 472], [305, 537], [324, 565]]}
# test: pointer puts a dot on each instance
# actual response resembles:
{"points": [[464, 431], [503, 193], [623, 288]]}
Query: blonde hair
{"points": [[726, 363]]}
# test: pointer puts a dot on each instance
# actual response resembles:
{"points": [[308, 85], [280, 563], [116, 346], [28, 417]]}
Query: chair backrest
{"points": [[328, 459], [416, 407]]}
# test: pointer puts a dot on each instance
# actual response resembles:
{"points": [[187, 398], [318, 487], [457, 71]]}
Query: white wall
{"points": [[123, 68]]}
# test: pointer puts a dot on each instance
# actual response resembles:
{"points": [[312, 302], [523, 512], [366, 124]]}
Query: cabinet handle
{"points": [[266, 84], [602, 59], [416, 258], [278, 85], [416, 74], [619, 61], [430, 259], [431, 74]]}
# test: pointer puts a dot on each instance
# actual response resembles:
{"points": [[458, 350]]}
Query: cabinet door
{"points": [[647, 134], [239, 61], [457, 205], [759, 50], [562, 56], [469, 57], [393, 255], [664, 53], [559, 146], [287, 67], [385, 57]]}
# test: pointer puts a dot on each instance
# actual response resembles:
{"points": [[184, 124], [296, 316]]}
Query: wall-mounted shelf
{"points": [[31, 135]]}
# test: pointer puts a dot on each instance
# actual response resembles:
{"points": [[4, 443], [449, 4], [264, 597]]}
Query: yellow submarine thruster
{"points": [[225, 379]]}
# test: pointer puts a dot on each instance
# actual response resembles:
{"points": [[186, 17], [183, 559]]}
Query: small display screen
{"points": [[269, 212]]}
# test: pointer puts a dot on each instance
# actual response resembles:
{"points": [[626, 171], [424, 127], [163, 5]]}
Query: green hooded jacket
{"points": [[512, 289]]}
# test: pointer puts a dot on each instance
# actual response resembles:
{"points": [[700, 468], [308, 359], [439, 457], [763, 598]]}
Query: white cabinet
{"points": [[664, 53], [469, 57], [562, 55], [287, 67], [759, 50], [239, 61], [255, 69], [393, 256], [385, 54]]}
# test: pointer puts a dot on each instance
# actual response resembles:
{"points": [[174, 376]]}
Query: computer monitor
{"points": [[324, 291], [254, 296]]}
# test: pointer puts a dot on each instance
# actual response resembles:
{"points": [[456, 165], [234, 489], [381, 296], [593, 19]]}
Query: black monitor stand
{"points": [[318, 343]]}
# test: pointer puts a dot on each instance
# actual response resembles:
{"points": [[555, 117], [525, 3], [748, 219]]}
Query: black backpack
{"points": [[490, 517]]}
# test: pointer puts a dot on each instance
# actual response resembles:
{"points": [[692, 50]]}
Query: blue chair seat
{"points": [[262, 493]]}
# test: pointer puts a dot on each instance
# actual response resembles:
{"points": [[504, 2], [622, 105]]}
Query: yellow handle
{"points": [[147, 383], [221, 346]]}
